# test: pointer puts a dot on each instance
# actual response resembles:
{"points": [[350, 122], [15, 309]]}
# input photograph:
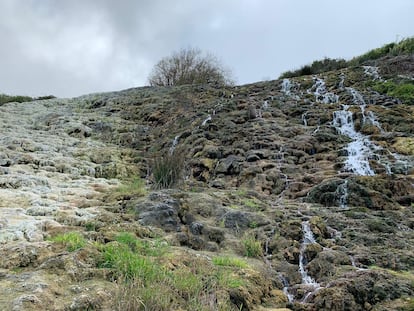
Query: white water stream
{"points": [[359, 149]]}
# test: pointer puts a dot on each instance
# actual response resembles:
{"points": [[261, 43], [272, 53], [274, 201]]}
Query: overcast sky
{"points": [[73, 47]]}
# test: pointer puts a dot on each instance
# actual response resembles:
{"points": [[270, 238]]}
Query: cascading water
{"points": [[359, 149], [308, 239], [286, 86], [372, 71], [321, 94]]}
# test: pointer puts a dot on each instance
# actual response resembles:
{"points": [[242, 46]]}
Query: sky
{"points": [[69, 48]]}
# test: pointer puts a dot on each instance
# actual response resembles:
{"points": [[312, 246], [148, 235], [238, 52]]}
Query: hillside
{"points": [[295, 194]]}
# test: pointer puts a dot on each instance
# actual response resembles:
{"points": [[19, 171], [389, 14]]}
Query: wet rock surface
{"points": [[318, 171]]}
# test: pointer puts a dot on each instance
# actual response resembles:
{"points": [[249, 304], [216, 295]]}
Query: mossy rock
{"points": [[404, 145]]}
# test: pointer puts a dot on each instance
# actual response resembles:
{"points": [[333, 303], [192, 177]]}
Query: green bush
{"points": [[167, 170], [318, 66]]}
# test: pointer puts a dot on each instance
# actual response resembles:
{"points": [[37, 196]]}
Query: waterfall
{"points": [[359, 149], [321, 94], [286, 86], [372, 71]]}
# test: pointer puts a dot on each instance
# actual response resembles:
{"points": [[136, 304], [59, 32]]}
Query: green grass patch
{"points": [[131, 187], [251, 246], [72, 240], [403, 91], [229, 262]]}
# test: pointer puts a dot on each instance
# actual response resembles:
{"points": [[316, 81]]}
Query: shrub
{"points": [[318, 66], [167, 170], [9, 99], [189, 66]]}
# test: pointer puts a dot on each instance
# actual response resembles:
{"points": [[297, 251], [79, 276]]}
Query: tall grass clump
{"points": [[167, 170], [251, 246]]}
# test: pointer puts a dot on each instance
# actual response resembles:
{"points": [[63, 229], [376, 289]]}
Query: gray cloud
{"points": [[74, 47]]}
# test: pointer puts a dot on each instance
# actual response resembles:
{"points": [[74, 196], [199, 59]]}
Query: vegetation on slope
{"points": [[404, 47]]}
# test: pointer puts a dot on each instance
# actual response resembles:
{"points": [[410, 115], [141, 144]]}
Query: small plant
{"points": [[72, 240], [167, 170], [252, 247], [229, 261]]}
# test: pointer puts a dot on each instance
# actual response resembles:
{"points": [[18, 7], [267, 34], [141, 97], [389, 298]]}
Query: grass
{"points": [[131, 187], [403, 91], [72, 240], [167, 170], [145, 280], [229, 262], [251, 246]]}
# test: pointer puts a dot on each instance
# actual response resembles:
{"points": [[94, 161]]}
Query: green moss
{"points": [[252, 247]]}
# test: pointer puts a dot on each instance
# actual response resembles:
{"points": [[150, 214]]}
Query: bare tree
{"points": [[189, 66]]}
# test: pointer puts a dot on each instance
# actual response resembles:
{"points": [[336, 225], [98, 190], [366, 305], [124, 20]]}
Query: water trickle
{"points": [[372, 119], [265, 105], [174, 144], [343, 194], [304, 121], [285, 283], [308, 238], [208, 119], [342, 81]]}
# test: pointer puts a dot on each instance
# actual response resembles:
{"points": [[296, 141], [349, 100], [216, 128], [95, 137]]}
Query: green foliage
{"points": [[318, 66], [229, 261], [252, 247], [167, 170], [405, 46], [19, 99], [144, 283], [72, 240], [403, 91]]}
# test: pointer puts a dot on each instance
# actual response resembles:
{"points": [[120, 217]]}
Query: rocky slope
{"points": [[317, 171]]}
